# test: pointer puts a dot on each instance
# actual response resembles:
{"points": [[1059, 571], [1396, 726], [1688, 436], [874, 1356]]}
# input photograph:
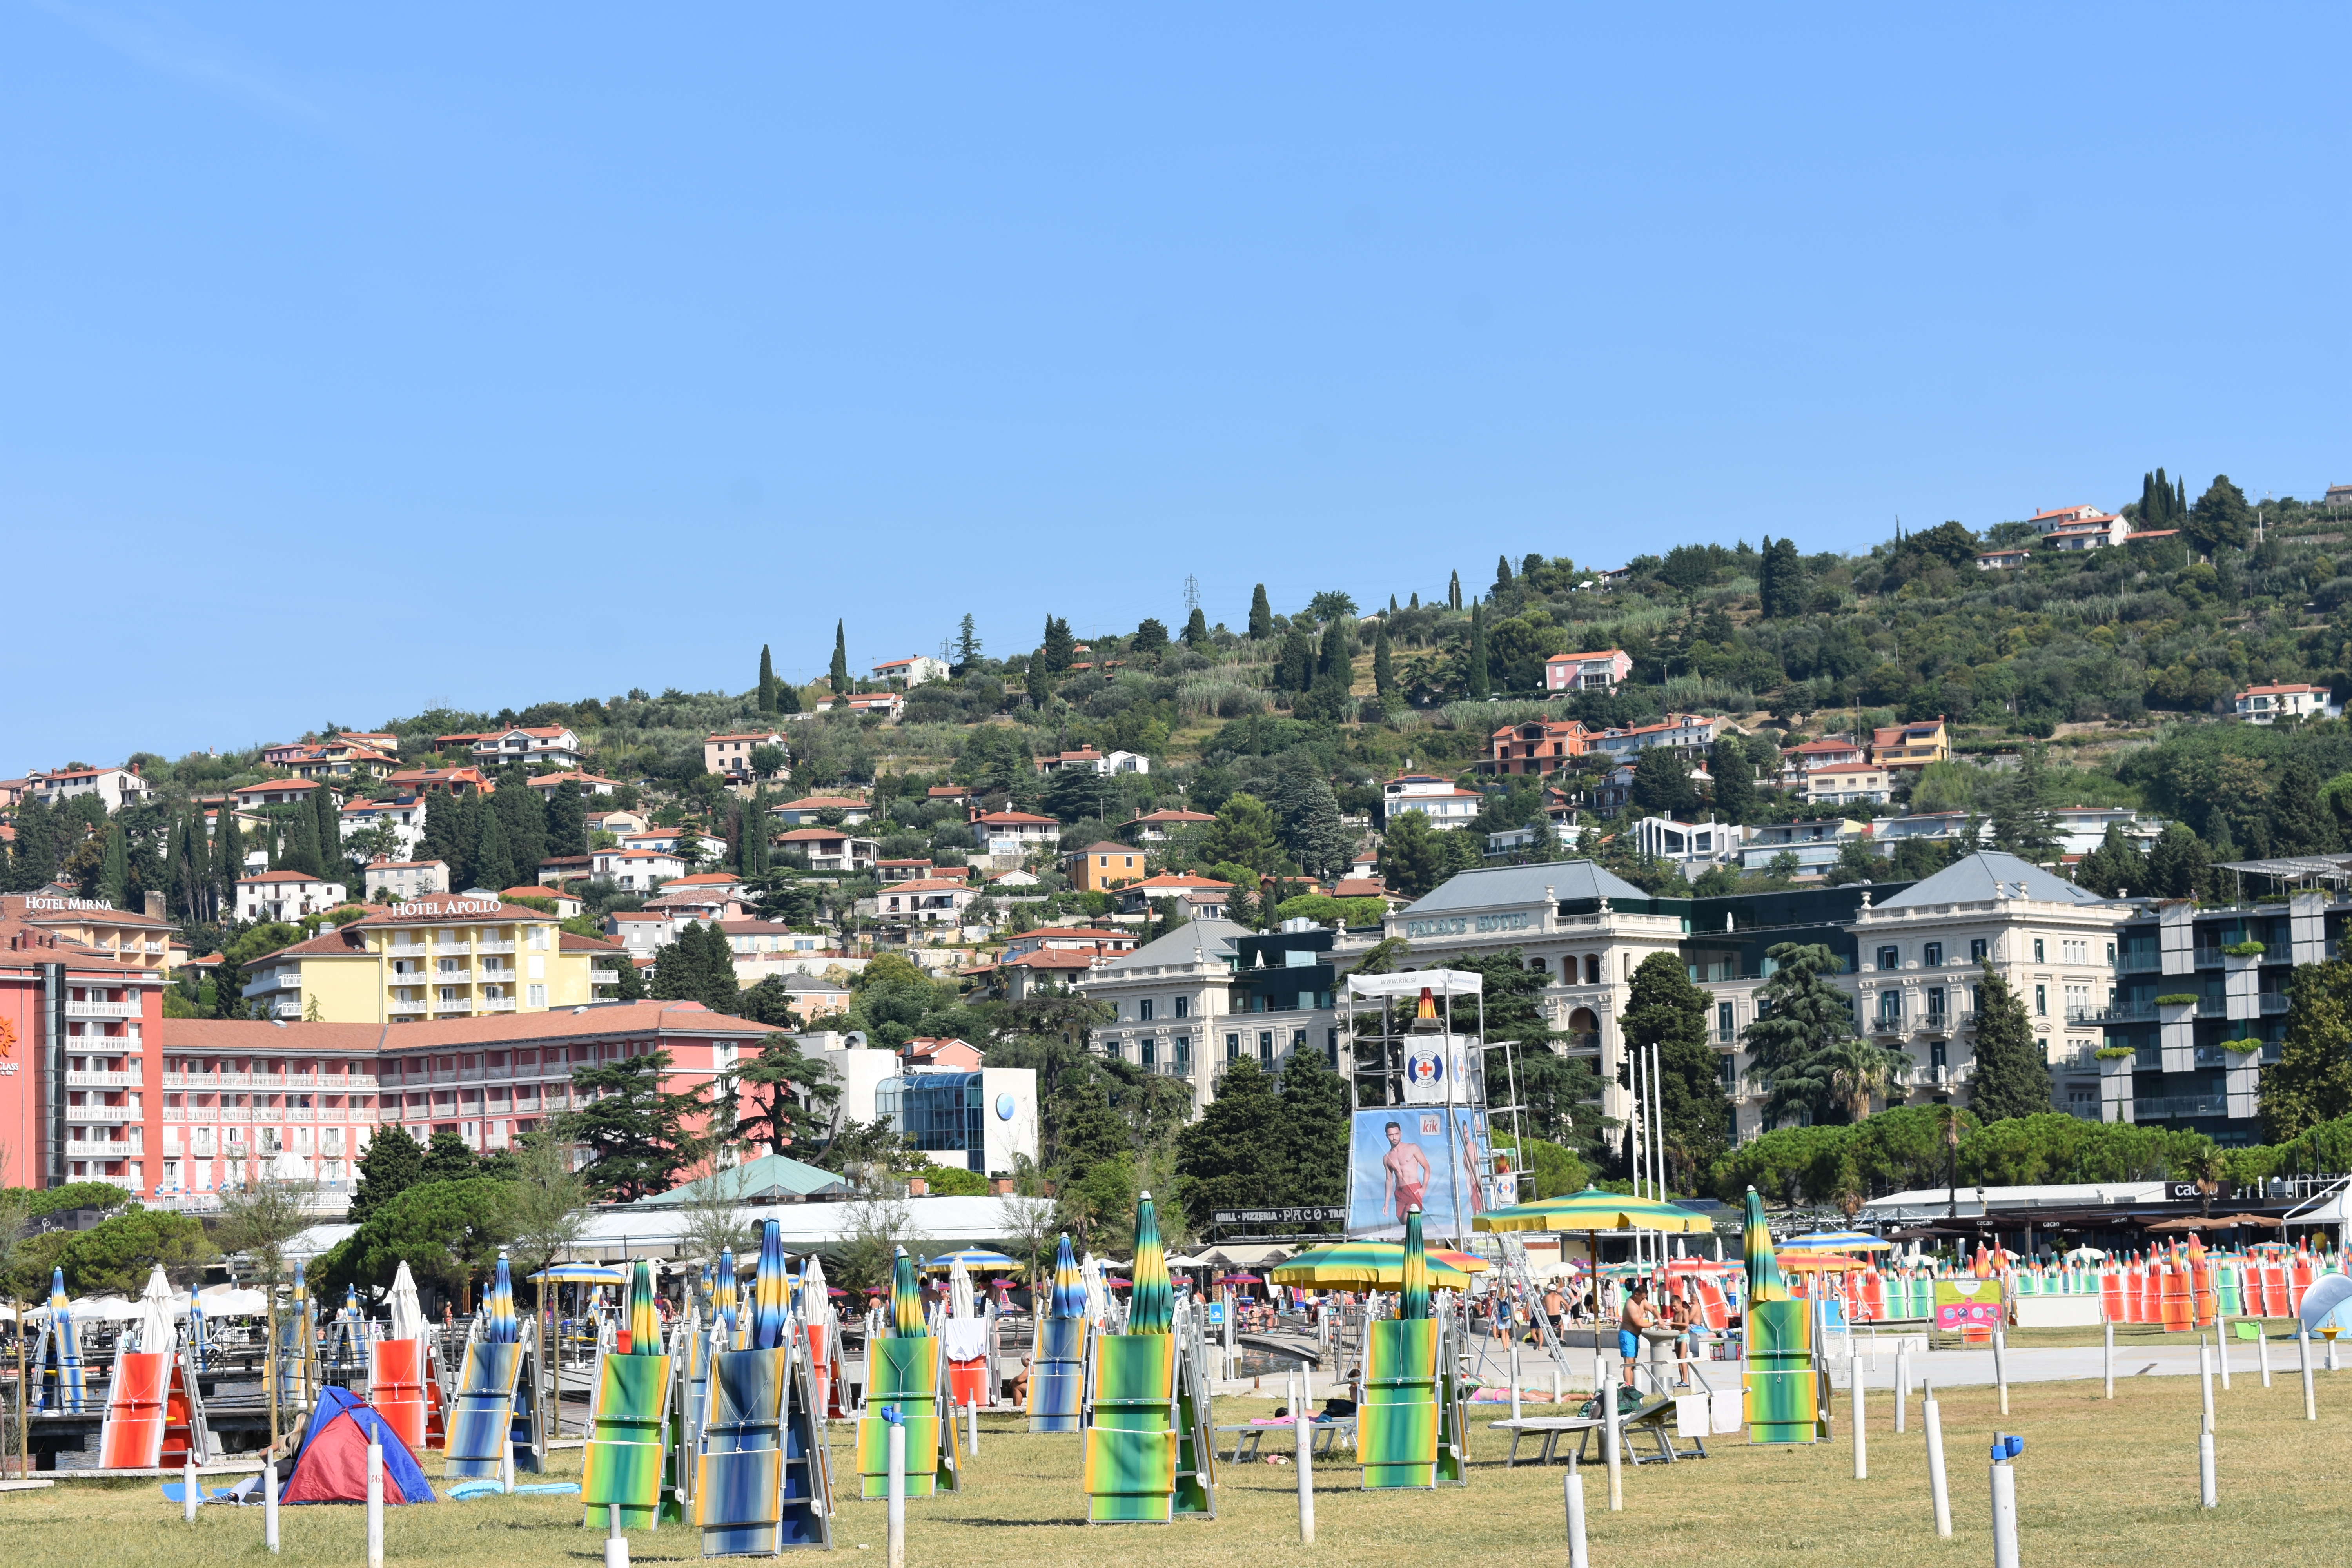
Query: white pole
{"points": [[1304, 1429], [2221, 1348], [1902, 1387], [270, 1506], [896, 1545], [1609, 1445], [2205, 1379], [2262, 1350], [616, 1545], [2004, 1515], [1574, 1487], [188, 1488], [1555, 1383], [2208, 1492], [2303, 1350], [972, 1425], [1861, 1447], [2331, 1355], [375, 1507], [1932, 1420], [2000, 1367], [2107, 1355]]}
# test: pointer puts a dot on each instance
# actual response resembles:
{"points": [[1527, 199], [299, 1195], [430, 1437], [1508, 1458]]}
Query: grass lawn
{"points": [[2099, 1483]]}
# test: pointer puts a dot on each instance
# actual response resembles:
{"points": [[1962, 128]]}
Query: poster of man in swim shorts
{"points": [[1403, 1157]]}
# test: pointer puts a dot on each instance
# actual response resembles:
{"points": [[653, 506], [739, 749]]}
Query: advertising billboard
{"points": [[1407, 1155]]}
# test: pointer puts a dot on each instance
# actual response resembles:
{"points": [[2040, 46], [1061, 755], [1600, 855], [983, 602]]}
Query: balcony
{"points": [[604, 977], [459, 975], [297, 1113], [493, 1005], [225, 1081], [359, 1081], [102, 1009], [175, 1113], [2212, 1006], [2273, 1001], [100, 1149], [507, 946], [77, 1079], [2120, 1013], [2140, 963], [2178, 1107], [110, 1115], [1581, 1045]]}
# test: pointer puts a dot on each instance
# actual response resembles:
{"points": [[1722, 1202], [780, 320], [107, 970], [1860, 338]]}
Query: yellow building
{"points": [[1911, 745], [1099, 867], [447, 956]]}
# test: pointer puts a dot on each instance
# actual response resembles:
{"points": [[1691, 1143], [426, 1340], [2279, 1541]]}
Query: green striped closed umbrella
{"points": [[906, 1299], [1764, 1281], [1152, 1308], [1415, 1297], [1591, 1210]]}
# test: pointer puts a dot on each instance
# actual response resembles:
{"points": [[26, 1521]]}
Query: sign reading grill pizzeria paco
{"points": [[1465, 925], [1311, 1215]]}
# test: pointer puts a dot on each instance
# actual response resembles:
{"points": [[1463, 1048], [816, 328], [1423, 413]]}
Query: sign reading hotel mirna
{"points": [[1463, 925]]}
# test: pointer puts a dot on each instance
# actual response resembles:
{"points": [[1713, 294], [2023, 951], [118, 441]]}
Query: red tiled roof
{"points": [[282, 876], [1101, 848], [1174, 817], [1175, 882], [1052, 958], [827, 834], [1010, 818], [2278, 690]]}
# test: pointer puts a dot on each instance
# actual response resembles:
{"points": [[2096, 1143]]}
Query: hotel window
{"points": [[1977, 948], [1150, 1053], [2040, 999], [1183, 1006], [1931, 956], [1723, 1019], [1936, 1003], [1266, 1047], [1233, 1047], [538, 996], [1182, 1064], [1889, 958], [2037, 950], [1144, 1011], [1890, 1007]]}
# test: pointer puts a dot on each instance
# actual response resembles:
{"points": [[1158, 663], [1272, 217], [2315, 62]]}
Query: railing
{"points": [[457, 976], [2212, 1006], [1578, 1043], [2211, 1057], [107, 1113], [506, 946], [2274, 1002], [99, 1148], [2173, 1106], [75, 1079], [604, 977], [175, 1113], [102, 1009], [2121, 1013], [493, 1005], [299, 1113]]}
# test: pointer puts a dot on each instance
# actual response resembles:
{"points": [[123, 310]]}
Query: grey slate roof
{"points": [[1972, 878], [1493, 886], [765, 1179], [1199, 941]]}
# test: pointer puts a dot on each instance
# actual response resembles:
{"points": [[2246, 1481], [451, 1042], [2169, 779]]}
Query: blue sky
{"points": [[352, 363]]}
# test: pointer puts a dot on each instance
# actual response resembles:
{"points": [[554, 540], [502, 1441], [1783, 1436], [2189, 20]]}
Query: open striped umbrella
{"points": [[906, 1299], [976, 1260], [1413, 1297], [771, 1292], [1152, 1308], [1764, 1281], [722, 1298], [1593, 1210], [644, 1323], [499, 1325], [1371, 1266], [1841, 1241], [1069, 1297]]}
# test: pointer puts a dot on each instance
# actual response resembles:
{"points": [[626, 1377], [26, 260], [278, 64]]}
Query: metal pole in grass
{"points": [[375, 1511], [2221, 1348], [1303, 1427], [1609, 1449], [189, 1495], [2262, 1350], [2000, 1367], [1932, 1420], [2208, 1492], [2205, 1379], [897, 1543], [270, 1505], [1861, 1442], [2004, 1500], [2107, 1355], [1515, 1373], [1902, 1387], [616, 1545], [2303, 1351], [1573, 1486], [972, 1421]]}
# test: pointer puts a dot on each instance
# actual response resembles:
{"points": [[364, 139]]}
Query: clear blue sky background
{"points": [[352, 361]]}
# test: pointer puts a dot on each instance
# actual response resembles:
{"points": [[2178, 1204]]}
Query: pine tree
{"points": [[391, 1164], [967, 647], [1313, 1129], [1480, 681], [1234, 1157], [1261, 617], [1666, 1012], [2013, 1075], [1055, 654], [1196, 629], [782, 1096], [1384, 661], [788, 697], [640, 1133], [1306, 815], [492, 867], [839, 674], [1799, 1012], [767, 681], [2300, 822], [2312, 1080]]}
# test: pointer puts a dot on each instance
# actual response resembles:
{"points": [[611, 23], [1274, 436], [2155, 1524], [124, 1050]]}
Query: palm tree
{"points": [[1857, 1069], [2209, 1169]]}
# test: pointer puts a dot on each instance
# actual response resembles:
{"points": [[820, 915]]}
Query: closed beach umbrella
{"points": [[1413, 1299], [1764, 1282], [644, 1323], [1069, 1297], [155, 1313], [1091, 1277], [499, 1325], [407, 1316], [959, 1291], [815, 1307], [771, 1292], [906, 1299], [1152, 1308], [722, 1299]]}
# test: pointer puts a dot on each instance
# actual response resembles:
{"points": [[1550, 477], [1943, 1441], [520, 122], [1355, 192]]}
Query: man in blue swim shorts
{"points": [[1636, 1317]]}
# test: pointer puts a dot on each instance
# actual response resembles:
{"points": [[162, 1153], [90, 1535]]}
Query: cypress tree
{"points": [[1453, 592], [839, 674], [567, 820], [202, 905], [301, 845], [1383, 662], [1502, 573], [1261, 619], [114, 872], [493, 867], [1196, 629], [443, 839], [228, 855], [767, 681], [1415, 601], [1480, 683], [175, 866], [331, 834]]}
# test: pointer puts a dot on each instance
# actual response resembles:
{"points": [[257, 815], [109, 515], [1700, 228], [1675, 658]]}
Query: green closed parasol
{"points": [[1152, 1308], [906, 1299], [1764, 1281], [1413, 1300], [645, 1322]]}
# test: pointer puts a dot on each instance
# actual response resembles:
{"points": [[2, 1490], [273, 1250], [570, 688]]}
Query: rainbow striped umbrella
{"points": [[644, 1323], [1069, 1297], [722, 1299], [771, 1292], [61, 1385], [1373, 1266], [1764, 1281], [1152, 1308], [499, 1325], [350, 1302], [1593, 1210], [906, 1301], [1413, 1301]]}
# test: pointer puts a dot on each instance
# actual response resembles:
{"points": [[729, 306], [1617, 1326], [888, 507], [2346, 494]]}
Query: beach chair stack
{"points": [[906, 1373], [628, 1443], [1785, 1389], [130, 1438]]}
